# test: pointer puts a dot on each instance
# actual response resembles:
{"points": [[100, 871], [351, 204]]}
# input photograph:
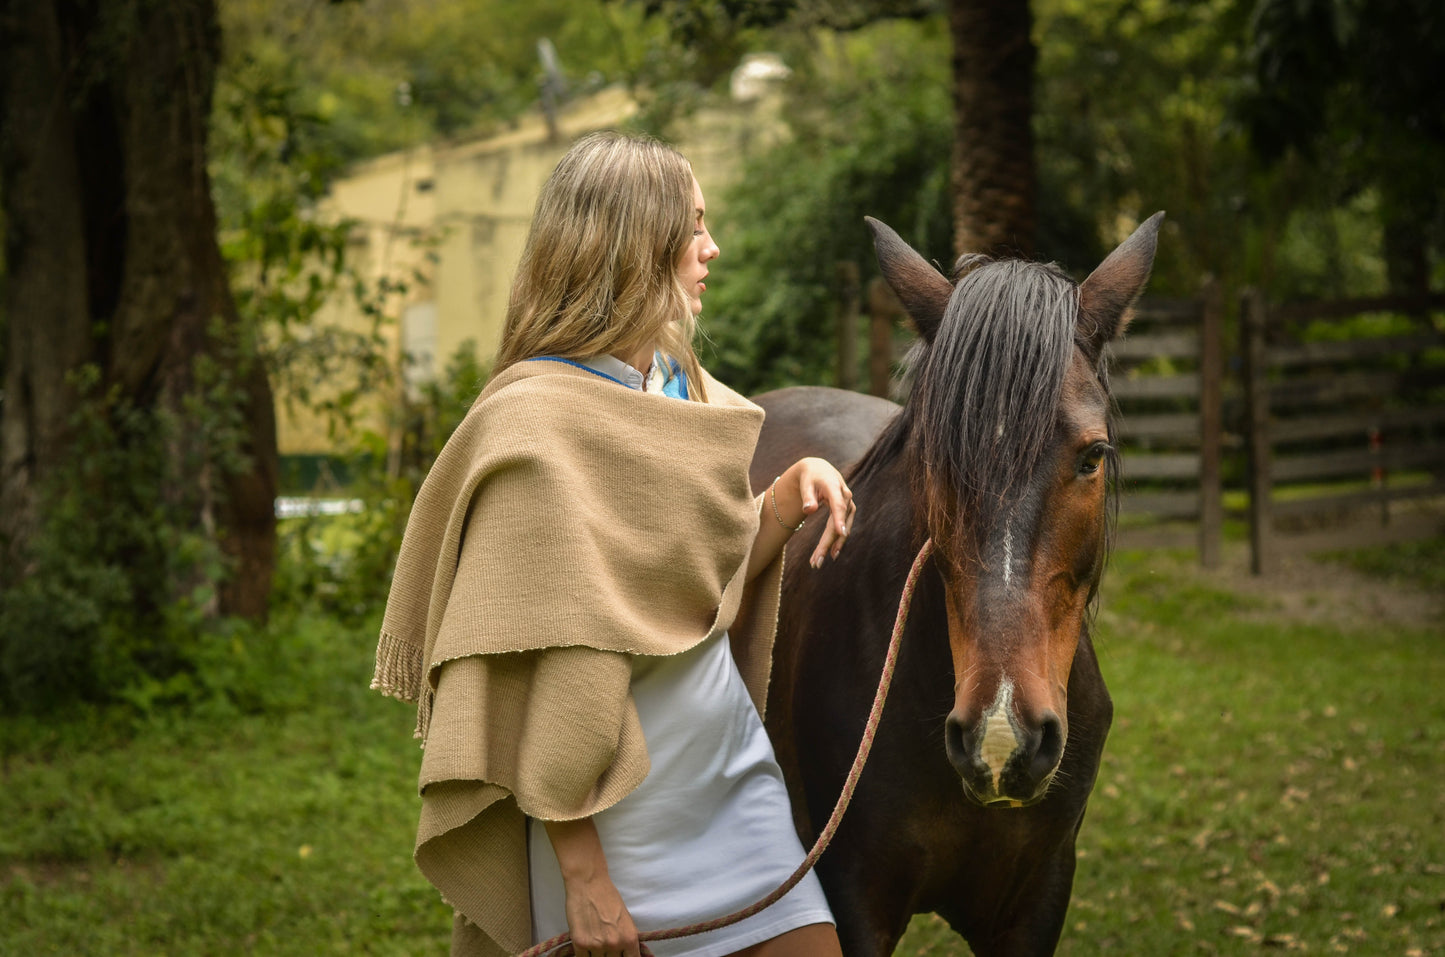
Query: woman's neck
{"points": [[640, 359]]}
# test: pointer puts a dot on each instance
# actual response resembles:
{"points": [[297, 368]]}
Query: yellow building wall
{"points": [[391, 204], [449, 222]]}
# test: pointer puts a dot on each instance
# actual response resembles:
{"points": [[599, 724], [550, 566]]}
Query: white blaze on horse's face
{"points": [[1008, 558], [1000, 740]]}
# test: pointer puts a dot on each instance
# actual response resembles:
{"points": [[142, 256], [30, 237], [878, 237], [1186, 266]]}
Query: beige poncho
{"points": [[569, 523]]}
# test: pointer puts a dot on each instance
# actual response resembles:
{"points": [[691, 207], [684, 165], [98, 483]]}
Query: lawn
{"points": [[1273, 781]]}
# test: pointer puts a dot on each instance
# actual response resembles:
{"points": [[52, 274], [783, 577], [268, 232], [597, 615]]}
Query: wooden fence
{"points": [[1167, 375], [1346, 439], [1343, 441]]}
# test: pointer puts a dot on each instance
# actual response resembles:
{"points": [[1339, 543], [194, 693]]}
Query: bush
{"points": [[118, 581]]}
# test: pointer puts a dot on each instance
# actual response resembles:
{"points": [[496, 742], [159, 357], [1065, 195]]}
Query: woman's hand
{"points": [[597, 918], [808, 485], [599, 921], [819, 485]]}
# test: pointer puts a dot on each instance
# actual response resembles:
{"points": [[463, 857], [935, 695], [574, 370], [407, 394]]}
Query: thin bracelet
{"points": [[773, 492]]}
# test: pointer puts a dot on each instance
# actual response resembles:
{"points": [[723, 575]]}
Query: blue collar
{"points": [[615, 370]]}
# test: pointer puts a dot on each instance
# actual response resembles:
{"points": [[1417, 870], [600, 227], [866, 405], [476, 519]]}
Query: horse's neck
{"points": [[892, 522]]}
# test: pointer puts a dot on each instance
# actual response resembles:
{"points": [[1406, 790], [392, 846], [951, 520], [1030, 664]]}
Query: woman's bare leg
{"points": [[814, 940]]}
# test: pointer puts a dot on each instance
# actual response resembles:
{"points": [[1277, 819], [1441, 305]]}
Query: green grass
{"points": [[1273, 781], [1269, 779], [286, 832], [1418, 563]]}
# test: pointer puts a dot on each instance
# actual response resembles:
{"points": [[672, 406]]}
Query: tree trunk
{"points": [[993, 148], [113, 260], [1407, 257], [48, 328]]}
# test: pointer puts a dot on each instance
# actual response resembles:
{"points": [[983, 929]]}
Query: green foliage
{"points": [[121, 584], [274, 156], [280, 138], [871, 120], [391, 73], [462, 73], [1132, 116], [1198, 125], [870, 114], [1343, 87], [437, 407], [119, 596]]}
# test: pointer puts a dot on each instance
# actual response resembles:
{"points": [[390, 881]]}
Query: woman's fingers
{"points": [[820, 484], [840, 507], [622, 946], [841, 511], [820, 552]]}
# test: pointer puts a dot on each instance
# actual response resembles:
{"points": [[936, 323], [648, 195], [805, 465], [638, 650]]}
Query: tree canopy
{"points": [[1349, 89]]}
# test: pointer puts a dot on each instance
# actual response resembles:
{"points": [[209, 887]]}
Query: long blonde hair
{"points": [[599, 270]]}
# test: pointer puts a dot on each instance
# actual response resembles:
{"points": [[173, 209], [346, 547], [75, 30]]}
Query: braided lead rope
{"points": [[563, 942]]}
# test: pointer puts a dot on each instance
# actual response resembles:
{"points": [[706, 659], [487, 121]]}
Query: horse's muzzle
{"points": [[1003, 761]]}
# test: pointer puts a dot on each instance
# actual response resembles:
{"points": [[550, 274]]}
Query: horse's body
{"points": [[976, 788]]}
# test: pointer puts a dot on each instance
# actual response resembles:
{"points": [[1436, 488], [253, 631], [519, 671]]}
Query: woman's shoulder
{"points": [[721, 395]]}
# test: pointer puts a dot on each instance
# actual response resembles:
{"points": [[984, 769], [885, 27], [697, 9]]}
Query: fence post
{"points": [[1262, 545], [1211, 423], [883, 311], [846, 273]]}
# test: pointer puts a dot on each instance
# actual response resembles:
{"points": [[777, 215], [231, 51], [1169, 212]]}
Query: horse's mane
{"points": [[983, 398]]}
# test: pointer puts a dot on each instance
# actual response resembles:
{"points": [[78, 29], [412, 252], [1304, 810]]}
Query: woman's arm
{"points": [[596, 916], [797, 493]]}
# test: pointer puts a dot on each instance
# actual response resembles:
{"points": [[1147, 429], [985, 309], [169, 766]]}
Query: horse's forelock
{"points": [[985, 393]]}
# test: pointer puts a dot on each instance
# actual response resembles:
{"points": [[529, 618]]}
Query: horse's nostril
{"points": [[1051, 746], [955, 743]]}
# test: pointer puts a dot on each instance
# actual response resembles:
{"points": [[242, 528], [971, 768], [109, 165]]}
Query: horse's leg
{"points": [[871, 914], [868, 872], [1032, 925], [887, 850]]}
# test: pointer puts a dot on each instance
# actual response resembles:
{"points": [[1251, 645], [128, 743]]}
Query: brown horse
{"points": [[991, 739]]}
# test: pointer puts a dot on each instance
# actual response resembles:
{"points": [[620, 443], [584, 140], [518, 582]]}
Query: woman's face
{"points": [[692, 268]]}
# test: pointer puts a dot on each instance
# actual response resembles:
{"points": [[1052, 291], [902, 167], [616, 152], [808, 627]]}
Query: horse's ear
{"points": [[1107, 295], [922, 289]]}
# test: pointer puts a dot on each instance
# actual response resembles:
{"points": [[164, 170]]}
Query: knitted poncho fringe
{"points": [[573, 516]]}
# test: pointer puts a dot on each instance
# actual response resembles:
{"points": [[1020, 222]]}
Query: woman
{"points": [[585, 600]]}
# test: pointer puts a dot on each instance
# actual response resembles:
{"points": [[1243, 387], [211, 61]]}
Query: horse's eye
{"points": [[1092, 458]]}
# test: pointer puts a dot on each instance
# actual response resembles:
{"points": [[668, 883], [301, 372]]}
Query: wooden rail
{"points": [[1332, 426], [1166, 375]]}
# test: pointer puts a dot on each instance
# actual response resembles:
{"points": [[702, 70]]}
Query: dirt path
{"points": [[1315, 590]]}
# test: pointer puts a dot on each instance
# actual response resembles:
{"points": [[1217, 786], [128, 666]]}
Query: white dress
{"points": [[709, 830]]}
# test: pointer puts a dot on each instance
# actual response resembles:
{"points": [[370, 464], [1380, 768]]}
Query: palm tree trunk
{"points": [[994, 179]]}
